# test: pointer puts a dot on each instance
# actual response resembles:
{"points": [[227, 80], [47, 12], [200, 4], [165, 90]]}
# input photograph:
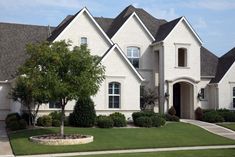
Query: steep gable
{"points": [[224, 64]]}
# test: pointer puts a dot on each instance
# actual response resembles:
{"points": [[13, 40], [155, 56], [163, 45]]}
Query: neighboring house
{"points": [[139, 51]]}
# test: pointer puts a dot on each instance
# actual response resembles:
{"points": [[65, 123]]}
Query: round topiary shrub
{"points": [[198, 114], [119, 119], [157, 121], [44, 121], [136, 115], [212, 117], [12, 117], [83, 114], [56, 123], [144, 122], [172, 111], [104, 122]]}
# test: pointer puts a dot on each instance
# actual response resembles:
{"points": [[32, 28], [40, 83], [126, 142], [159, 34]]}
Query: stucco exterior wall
{"points": [[225, 92], [181, 37], [204, 103], [83, 26], [132, 33], [117, 70]]}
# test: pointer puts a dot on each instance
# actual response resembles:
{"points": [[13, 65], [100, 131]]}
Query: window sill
{"points": [[182, 67]]}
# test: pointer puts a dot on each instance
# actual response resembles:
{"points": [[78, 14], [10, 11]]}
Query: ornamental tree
{"points": [[62, 73]]}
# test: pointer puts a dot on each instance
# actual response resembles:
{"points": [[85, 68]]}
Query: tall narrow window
{"points": [[182, 57], [203, 93], [233, 97], [133, 54], [114, 95], [83, 40]]}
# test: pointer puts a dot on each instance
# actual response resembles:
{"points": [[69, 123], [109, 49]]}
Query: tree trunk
{"points": [[62, 121]]}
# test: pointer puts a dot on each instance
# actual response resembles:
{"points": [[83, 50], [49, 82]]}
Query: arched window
{"points": [[114, 94], [133, 54], [233, 97], [182, 57]]}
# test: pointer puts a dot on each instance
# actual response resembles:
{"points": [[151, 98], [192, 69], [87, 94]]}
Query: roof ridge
{"points": [[23, 24]]}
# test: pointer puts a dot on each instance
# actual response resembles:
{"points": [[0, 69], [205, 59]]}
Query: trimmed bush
{"points": [[26, 117], [55, 115], [56, 123], [23, 124], [104, 122], [83, 114], [172, 111], [136, 115], [212, 117], [229, 116], [119, 119], [17, 124], [44, 121], [144, 122], [169, 117], [198, 113], [157, 121], [12, 117]]}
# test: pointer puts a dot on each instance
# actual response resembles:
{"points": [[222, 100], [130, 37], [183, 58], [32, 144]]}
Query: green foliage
{"points": [[44, 121], [15, 122], [119, 119], [157, 121], [83, 114], [104, 121], [227, 115], [12, 117], [169, 117], [55, 115], [148, 99], [136, 115], [172, 111], [143, 121], [212, 117], [198, 113], [56, 123]]}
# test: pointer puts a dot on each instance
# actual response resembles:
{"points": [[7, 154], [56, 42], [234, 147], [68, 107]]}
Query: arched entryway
{"points": [[183, 99]]}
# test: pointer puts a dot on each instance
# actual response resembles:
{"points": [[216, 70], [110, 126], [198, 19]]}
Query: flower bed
{"points": [[56, 139]]}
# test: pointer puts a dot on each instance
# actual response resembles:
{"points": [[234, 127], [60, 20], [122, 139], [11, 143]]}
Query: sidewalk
{"points": [[213, 128], [132, 151], [5, 148]]}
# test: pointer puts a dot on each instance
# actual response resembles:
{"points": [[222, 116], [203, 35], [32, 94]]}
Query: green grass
{"points": [[191, 153], [171, 135], [228, 125]]}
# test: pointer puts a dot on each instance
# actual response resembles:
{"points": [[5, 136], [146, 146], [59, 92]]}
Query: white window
{"points": [[54, 104], [83, 40], [233, 97], [133, 54], [182, 57], [114, 95]]}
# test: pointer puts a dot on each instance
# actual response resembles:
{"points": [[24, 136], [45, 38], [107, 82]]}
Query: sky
{"points": [[213, 20]]}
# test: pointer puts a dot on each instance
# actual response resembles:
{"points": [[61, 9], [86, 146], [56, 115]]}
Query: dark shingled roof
{"points": [[165, 29], [13, 38], [225, 62], [105, 23], [209, 62]]}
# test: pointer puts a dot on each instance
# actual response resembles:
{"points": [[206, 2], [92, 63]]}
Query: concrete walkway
{"points": [[5, 148], [132, 151], [213, 128]]}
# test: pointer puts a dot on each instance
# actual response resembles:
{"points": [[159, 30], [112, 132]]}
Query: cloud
{"points": [[217, 5]]}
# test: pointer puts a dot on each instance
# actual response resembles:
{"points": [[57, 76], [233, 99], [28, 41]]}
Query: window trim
{"points": [[132, 57], [114, 95]]}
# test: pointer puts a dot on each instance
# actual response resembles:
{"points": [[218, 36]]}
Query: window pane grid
{"points": [[133, 54], [114, 95]]}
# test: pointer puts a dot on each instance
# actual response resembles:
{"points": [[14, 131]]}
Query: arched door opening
{"points": [[183, 99]]}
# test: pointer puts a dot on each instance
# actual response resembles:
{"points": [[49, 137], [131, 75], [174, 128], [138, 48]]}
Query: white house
{"points": [[139, 51]]}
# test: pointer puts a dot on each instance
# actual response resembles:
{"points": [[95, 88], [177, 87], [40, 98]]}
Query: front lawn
{"points": [[171, 135], [228, 125], [188, 153]]}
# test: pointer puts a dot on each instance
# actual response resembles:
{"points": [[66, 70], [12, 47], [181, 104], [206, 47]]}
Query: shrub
{"points": [[157, 121], [144, 121], [23, 124], [83, 114], [45, 121], [229, 116], [14, 125], [198, 114], [56, 123], [104, 121], [169, 117], [136, 115], [26, 117], [119, 119], [55, 115], [172, 111], [11, 117], [212, 117]]}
